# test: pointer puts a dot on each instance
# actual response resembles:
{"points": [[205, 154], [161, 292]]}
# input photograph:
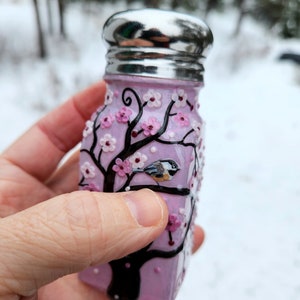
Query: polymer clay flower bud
{"points": [[148, 134]]}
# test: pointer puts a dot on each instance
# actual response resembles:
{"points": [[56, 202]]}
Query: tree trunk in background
{"points": [[151, 3], [41, 40], [242, 12], [61, 8], [210, 4], [175, 4], [50, 17]]}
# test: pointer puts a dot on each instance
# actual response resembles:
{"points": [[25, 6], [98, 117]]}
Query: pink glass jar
{"points": [[148, 134]]}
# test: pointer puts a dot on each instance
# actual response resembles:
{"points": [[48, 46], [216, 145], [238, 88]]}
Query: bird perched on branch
{"points": [[160, 170]]}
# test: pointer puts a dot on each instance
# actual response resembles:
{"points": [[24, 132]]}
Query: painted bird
{"points": [[160, 170]]}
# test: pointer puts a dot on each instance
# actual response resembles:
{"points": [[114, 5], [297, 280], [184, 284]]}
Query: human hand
{"points": [[41, 241]]}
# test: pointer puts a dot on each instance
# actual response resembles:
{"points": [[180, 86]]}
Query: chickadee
{"points": [[160, 170]]}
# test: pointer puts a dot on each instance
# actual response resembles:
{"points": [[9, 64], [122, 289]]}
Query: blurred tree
{"points": [[186, 4], [61, 9], [175, 4], [283, 15], [212, 4], [41, 39], [269, 11], [152, 3], [40, 33], [244, 7], [291, 19], [50, 17]]}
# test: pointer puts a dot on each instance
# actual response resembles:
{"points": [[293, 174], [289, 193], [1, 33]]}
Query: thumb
{"points": [[73, 231]]}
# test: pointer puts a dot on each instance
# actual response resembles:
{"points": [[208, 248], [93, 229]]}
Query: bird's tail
{"points": [[137, 170]]}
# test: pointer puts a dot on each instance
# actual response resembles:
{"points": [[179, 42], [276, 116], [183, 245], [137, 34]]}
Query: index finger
{"points": [[39, 150]]}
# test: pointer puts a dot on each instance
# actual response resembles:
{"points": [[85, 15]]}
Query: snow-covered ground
{"points": [[250, 201]]}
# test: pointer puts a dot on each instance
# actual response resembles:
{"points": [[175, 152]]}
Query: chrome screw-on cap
{"points": [[156, 43]]}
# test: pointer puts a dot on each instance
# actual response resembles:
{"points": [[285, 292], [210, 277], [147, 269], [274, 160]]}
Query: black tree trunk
{"points": [[61, 8], [151, 3], [41, 40]]}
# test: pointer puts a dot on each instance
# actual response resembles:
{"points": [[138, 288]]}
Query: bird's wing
{"points": [[156, 169]]}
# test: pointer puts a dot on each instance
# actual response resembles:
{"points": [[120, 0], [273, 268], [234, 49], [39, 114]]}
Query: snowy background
{"points": [[250, 201]]}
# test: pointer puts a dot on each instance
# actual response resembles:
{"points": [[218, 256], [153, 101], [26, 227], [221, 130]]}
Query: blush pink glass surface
{"points": [[149, 134]]}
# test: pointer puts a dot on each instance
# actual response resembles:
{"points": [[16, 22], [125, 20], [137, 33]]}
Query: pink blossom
{"points": [[107, 121], [123, 115], [197, 128], [138, 160], [88, 128], [91, 187], [180, 98], [182, 119], [88, 170], [108, 143], [108, 97], [151, 126], [122, 167], [173, 223], [152, 98]]}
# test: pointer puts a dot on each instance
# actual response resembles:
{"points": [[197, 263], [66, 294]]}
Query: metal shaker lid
{"points": [[156, 43]]}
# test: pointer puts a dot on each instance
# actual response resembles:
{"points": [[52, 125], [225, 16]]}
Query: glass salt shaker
{"points": [[148, 134]]}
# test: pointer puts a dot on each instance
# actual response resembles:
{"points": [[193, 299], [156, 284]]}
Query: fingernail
{"points": [[145, 206]]}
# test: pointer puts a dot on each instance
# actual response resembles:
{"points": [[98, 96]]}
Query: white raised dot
{"points": [[127, 265], [96, 271], [181, 211], [153, 149], [171, 134], [127, 189]]}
